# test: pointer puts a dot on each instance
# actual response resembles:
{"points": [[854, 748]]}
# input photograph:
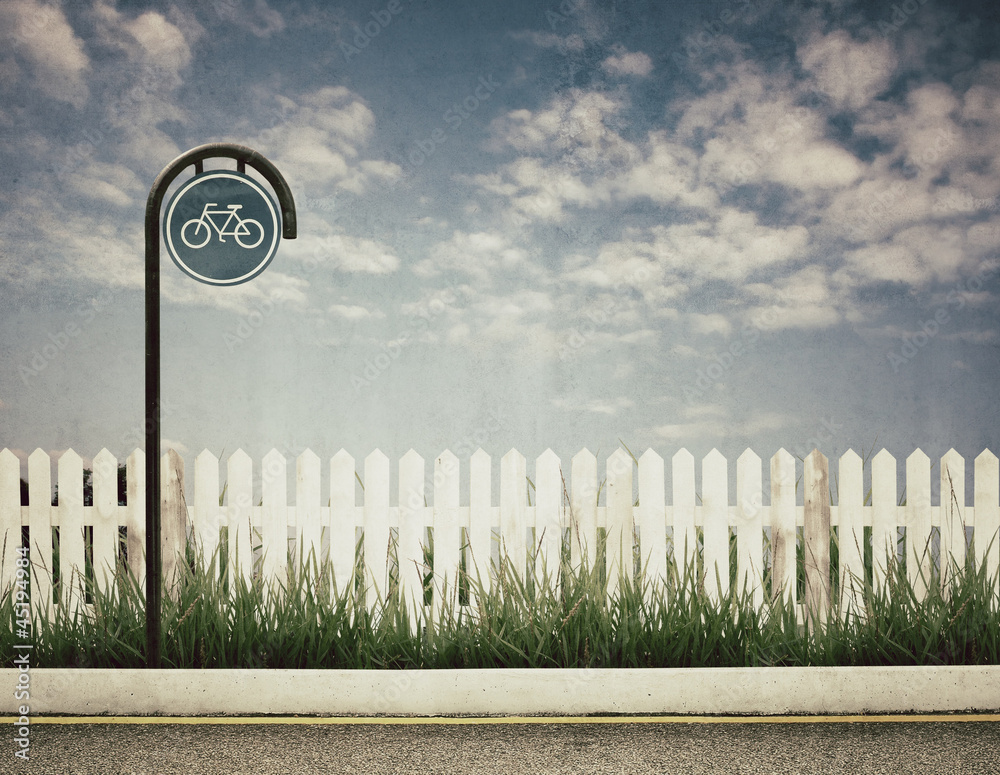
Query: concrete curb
{"points": [[520, 692]]}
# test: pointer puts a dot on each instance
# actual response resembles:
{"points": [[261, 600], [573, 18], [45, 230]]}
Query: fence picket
{"points": [[376, 538], [618, 550], [514, 511], [239, 498], [135, 524], [685, 536], [884, 516], [952, 496], [918, 523], [987, 526], [715, 531], [205, 514], [274, 520], [750, 527], [410, 546], [851, 534], [10, 517], [173, 520], [343, 542], [72, 564], [480, 554], [651, 519], [784, 577], [583, 535], [447, 532], [105, 542], [40, 531], [308, 520], [548, 517], [816, 536]]}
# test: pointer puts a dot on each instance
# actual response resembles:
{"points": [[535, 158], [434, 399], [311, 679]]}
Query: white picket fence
{"points": [[529, 522]]}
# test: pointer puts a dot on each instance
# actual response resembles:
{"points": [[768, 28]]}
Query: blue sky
{"points": [[521, 225]]}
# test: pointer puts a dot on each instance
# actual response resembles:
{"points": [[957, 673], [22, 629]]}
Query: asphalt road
{"points": [[893, 748]]}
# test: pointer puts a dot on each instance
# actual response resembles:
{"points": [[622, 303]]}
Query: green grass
{"points": [[520, 624]]}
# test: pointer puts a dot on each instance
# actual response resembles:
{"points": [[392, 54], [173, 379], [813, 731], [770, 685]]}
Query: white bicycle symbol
{"points": [[247, 232]]}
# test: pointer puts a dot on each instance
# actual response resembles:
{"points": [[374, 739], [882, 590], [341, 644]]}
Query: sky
{"points": [[521, 225]]}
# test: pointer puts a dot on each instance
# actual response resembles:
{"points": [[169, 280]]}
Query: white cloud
{"points": [[914, 256], [317, 142], [710, 323], [41, 34], [262, 20], [758, 131], [564, 43], [353, 312], [629, 63], [805, 299], [161, 42], [851, 72], [609, 407], [484, 256], [710, 421], [344, 253]]}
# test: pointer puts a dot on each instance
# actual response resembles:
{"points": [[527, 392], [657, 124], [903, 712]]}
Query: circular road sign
{"points": [[222, 228]]}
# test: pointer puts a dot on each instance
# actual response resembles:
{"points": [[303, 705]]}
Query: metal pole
{"points": [[154, 560], [243, 156]]}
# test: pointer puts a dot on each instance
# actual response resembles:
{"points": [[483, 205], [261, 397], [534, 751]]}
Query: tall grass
{"points": [[520, 623]]}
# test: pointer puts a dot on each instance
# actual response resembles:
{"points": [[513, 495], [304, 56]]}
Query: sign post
{"points": [[221, 228]]}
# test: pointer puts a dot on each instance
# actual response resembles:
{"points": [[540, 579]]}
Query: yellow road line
{"points": [[451, 721]]}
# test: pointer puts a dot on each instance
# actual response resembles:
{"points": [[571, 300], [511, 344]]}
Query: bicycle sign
{"points": [[222, 228], [198, 231]]}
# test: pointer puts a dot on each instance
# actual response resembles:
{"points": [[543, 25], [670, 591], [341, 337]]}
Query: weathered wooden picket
{"points": [[263, 537]]}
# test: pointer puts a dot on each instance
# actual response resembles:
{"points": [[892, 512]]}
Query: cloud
{"points": [[353, 312], [564, 43], [628, 63], [484, 256], [317, 140], [342, 252], [262, 20], [45, 41], [851, 72], [577, 405], [914, 256], [758, 128], [710, 421], [161, 42], [805, 299], [572, 155]]}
